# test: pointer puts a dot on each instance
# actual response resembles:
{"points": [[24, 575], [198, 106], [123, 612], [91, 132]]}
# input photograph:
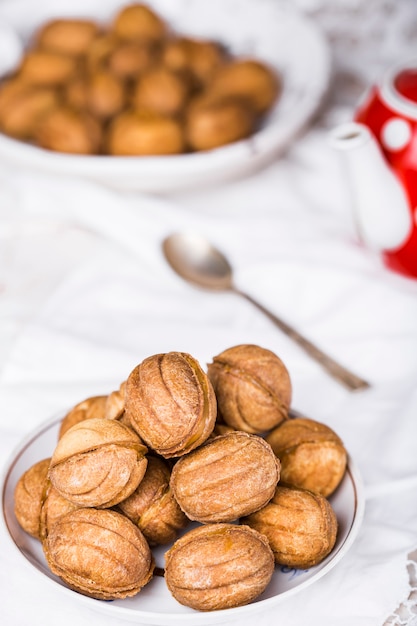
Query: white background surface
{"points": [[85, 295]]}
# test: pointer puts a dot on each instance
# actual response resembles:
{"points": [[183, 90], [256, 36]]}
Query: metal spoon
{"points": [[198, 262]]}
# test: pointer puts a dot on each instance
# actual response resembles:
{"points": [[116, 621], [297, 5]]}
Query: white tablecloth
{"points": [[85, 295]]}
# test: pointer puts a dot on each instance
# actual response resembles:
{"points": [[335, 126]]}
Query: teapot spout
{"points": [[379, 202]]}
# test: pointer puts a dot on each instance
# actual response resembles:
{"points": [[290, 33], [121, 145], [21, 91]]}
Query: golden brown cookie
{"points": [[42, 67], [197, 57], [130, 59], [171, 403], [94, 406], [67, 36], [229, 476], [252, 386], [144, 133], [139, 22], [300, 526], [23, 107], [249, 79], [70, 131], [218, 566], [214, 123], [106, 94], [98, 463], [162, 91], [29, 494], [99, 553], [53, 508], [152, 506], [312, 455], [115, 403]]}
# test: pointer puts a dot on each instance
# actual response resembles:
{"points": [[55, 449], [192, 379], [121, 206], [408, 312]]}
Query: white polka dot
{"points": [[396, 134]]}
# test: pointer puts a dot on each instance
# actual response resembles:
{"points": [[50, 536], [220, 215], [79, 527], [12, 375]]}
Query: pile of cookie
{"points": [[176, 444], [131, 87]]}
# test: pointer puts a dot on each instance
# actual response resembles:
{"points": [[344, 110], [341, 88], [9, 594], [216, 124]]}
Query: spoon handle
{"points": [[340, 373]]}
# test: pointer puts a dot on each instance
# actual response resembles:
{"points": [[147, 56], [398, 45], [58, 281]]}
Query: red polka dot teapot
{"points": [[380, 153]]}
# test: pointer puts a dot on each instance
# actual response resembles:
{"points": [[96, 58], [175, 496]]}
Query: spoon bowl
{"points": [[198, 262]]}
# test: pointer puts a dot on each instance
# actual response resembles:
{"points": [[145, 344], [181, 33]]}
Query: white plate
{"points": [[154, 604], [279, 35]]}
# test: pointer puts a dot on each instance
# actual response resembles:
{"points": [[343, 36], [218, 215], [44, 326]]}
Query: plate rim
{"points": [[167, 619]]}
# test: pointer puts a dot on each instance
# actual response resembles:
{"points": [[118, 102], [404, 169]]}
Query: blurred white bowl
{"points": [[284, 38]]}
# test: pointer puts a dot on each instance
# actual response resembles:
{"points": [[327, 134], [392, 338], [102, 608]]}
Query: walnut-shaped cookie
{"points": [[129, 59], [106, 94], [312, 455], [160, 90], [214, 123], [99, 553], [94, 406], [170, 403], [249, 79], [67, 36], [22, 109], [65, 129], [252, 386], [29, 494], [144, 132], [218, 566], [115, 403], [152, 506], [300, 525], [196, 57], [53, 508], [229, 476], [98, 463], [43, 67], [138, 22]]}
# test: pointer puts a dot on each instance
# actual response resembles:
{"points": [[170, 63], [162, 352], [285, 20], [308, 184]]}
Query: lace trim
{"points": [[406, 613]]}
